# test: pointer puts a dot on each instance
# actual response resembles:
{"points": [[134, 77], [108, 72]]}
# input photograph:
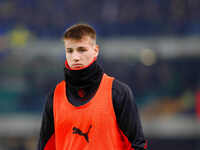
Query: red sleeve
{"points": [[50, 145]]}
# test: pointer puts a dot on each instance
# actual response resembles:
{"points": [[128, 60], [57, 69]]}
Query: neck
{"points": [[83, 78]]}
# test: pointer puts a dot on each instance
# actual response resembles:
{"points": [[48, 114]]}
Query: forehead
{"points": [[83, 42]]}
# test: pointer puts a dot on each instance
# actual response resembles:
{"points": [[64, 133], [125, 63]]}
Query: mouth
{"points": [[77, 65]]}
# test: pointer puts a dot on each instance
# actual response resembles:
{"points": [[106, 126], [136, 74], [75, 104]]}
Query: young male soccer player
{"points": [[89, 110]]}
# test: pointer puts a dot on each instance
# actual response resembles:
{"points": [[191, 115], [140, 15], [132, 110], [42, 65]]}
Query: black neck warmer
{"points": [[87, 79]]}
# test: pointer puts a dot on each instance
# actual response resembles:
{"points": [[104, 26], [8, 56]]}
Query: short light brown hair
{"points": [[78, 31]]}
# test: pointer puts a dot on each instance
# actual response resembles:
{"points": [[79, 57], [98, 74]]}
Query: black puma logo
{"points": [[78, 131]]}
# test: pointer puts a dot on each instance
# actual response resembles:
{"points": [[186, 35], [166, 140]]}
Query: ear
{"points": [[96, 49]]}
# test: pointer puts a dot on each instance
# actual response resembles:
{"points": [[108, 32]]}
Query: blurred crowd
{"points": [[22, 20], [110, 18], [167, 87], [167, 79]]}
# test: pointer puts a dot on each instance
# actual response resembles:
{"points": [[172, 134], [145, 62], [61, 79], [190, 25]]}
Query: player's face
{"points": [[80, 53]]}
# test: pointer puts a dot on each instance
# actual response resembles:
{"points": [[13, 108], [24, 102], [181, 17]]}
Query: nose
{"points": [[76, 56]]}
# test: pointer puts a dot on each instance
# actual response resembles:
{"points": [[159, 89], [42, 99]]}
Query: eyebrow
{"points": [[77, 47], [69, 48]]}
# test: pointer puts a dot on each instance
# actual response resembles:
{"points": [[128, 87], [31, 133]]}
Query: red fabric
{"points": [[125, 139], [96, 119], [198, 104], [81, 93], [145, 146], [50, 144]]}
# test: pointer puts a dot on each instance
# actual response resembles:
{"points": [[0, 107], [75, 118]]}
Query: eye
{"points": [[69, 50], [82, 49]]}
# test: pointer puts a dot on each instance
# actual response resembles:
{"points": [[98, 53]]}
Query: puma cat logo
{"points": [[78, 131]]}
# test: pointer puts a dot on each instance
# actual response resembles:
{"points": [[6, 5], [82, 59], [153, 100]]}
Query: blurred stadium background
{"points": [[152, 45]]}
